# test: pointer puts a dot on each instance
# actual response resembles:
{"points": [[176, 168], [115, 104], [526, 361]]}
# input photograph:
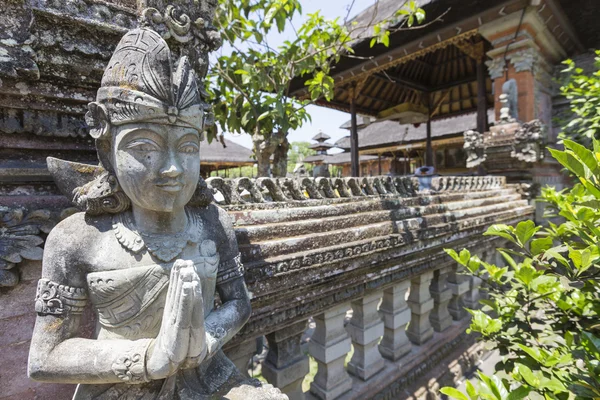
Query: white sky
{"points": [[325, 119]]}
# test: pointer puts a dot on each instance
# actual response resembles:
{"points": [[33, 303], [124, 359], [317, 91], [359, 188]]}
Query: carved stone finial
{"points": [[186, 25], [475, 148], [509, 99], [529, 142]]}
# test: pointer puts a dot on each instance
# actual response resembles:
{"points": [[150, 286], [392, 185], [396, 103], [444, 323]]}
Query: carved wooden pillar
{"points": [[459, 286], [241, 354], [440, 317], [396, 315], [420, 302], [329, 346], [286, 365], [366, 329]]}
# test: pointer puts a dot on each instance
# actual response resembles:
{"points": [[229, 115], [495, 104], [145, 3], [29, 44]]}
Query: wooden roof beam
{"points": [[401, 81]]}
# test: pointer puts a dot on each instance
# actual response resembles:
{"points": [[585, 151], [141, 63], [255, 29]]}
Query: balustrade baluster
{"points": [[241, 354], [440, 317], [396, 315], [329, 346], [366, 329], [286, 365], [420, 302], [459, 284]]}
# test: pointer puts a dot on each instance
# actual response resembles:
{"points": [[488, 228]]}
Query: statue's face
{"points": [[158, 166]]}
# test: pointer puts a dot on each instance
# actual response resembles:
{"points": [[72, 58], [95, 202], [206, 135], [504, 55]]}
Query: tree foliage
{"points": [[249, 81], [543, 314], [583, 92]]}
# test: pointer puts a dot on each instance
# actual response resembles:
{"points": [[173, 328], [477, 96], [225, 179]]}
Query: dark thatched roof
{"points": [[215, 153], [321, 136], [344, 142], [385, 133]]}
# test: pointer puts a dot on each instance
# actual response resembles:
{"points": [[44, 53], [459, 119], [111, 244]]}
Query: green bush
{"points": [[543, 309], [583, 92]]}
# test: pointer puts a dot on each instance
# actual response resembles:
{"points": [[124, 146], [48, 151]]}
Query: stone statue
{"points": [[529, 142], [475, 148], [509, 99], [148, 253]]}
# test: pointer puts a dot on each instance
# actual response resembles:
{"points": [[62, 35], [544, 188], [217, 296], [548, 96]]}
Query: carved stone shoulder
{"points": [[69, 245]]}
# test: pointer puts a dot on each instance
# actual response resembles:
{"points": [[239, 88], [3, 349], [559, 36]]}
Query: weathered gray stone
{"points": [[459, 285], [420, 302], [396, 315], [329, 346], [366, 329], [147, 254], [440, 317], [286, 365]]}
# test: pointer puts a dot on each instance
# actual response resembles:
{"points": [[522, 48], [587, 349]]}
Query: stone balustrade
{"points": [[364, 259]]}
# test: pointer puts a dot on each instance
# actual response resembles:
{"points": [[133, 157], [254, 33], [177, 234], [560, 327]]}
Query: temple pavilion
{"points": [[434, 83], [223, 155]]}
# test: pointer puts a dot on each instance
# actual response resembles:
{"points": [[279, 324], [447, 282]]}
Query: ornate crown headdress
{"points": [[142, 84], [139, 85]]}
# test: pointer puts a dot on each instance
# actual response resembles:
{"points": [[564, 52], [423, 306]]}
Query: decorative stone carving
{"points": [[529, 142], [524, 60], [21, 237], [474, 148], [496, 67], [150, 251]]}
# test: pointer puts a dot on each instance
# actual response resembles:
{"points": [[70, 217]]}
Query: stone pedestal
{"points": [[420, 302], [396, 315], [440, 317], [329, 346], [366, 329], [459, 285], [286, 365], [241, 354]]}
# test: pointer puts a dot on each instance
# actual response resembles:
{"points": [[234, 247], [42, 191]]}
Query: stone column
{"points": [[420, 302], [329, 346], [440, 317], [396, 315], [366, 329], [459, 285], [241, 354], [286, 365]]}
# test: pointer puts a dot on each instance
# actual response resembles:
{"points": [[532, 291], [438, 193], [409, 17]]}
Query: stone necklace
{"points": [[165, 247]]}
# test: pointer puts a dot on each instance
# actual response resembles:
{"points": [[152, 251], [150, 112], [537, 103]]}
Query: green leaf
{"points": [[519, 393], [471, 391], [585, 155], [527, 375], [525, 231], [539, 246], [454, 393], [501, 230], [569, 162]]}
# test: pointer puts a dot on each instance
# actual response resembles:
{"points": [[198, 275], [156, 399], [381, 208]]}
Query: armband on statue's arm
{"points": [[55, 299], [131, 366], [230, 270]]}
